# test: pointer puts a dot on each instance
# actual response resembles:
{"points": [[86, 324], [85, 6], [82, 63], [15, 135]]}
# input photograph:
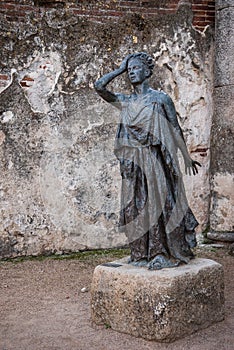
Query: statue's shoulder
{"points": [[159, 96], [123, 99]]}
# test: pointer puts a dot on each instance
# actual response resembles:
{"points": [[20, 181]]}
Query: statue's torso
{"points": [[138, 119]]}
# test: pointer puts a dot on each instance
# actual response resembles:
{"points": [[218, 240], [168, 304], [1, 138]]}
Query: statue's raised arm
{"points": [[100, 84]]}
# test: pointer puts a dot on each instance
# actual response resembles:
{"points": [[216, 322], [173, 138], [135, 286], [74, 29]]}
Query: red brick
{"points": [[85, 12], [202, 1], [23, 84], [27, 78], [210, 18], [95, 12], [200, 10], [134, 4], [201, 28], [172, 5], [199, 15], [199, 23], [16, 9], [199, 7], [111, 13], [140, 9], [8, 6], [16, 13], [4, 77], [28, 8], [150, 3], [199, 18]]}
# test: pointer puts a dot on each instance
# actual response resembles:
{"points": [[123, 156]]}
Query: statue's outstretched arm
{"points": [[100, 85], [170, 110]]}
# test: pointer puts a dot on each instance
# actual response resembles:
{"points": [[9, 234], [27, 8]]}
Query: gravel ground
{"points": [[42, 307]]}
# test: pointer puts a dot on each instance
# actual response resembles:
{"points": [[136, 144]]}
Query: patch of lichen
{"points": [[82, 256]]}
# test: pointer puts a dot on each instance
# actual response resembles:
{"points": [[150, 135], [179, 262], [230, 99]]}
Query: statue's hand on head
{"points": [[124, 65], [191, 166]]}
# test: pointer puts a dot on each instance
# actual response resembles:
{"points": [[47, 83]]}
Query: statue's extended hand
{"points": [[124, 64], [191, 165]]}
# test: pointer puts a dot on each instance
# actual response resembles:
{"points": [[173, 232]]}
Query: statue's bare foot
{"points": [[139, 263], [160, 262]]}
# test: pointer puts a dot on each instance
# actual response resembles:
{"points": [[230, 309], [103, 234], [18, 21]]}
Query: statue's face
{"points": [[137, 71]]}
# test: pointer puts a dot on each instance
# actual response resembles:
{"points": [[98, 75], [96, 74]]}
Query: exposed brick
{"points": [[4, 77], [87, 12], [204, 10], [199, 13], [202, 1], [16, 13], [150, 3], [199, 19], [166, 10], [28, 8], [8, 6], [27, 78], [209, 18], [24, 84], [201, 24], [141, 10], [199, 7]]}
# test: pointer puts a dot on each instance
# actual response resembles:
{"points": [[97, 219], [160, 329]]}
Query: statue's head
{"points": [[140, 67]]}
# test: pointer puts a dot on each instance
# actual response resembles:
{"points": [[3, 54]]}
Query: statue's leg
{"points": [[139, 250], [191, 239]]}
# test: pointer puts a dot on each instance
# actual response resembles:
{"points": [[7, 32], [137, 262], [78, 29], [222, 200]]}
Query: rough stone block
{"points": [[221, 4], [224, 64], [158, 305], [222, 202], [224, 106], [221, 236]]}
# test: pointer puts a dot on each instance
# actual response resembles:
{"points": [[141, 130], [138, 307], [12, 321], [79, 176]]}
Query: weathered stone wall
{"points": [[60, 182], [222, 170]]}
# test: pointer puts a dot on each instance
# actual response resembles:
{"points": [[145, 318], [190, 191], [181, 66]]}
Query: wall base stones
{"points": [[158, 305], [221, 236]]}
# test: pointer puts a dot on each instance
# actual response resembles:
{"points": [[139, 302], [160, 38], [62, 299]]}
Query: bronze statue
{"points": [[154, 211]]}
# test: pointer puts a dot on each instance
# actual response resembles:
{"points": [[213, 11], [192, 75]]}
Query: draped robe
{"points": [[154, 210]]}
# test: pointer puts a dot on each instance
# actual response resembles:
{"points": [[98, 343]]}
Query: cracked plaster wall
{"points": [[60, 181]]}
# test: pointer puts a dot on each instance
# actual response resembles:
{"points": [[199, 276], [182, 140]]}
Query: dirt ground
{"points": [[42, 308]]}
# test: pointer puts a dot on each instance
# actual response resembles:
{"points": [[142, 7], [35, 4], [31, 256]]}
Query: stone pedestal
{"points": [[158, 305]]}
